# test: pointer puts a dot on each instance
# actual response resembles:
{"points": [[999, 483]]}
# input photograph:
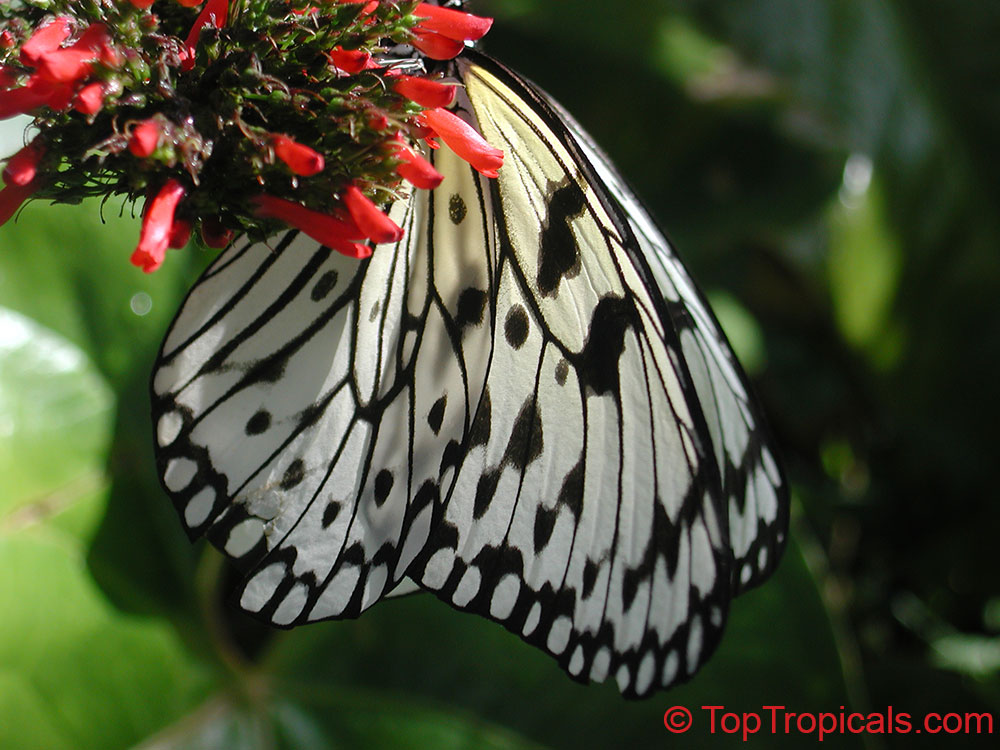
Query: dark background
{"points": [[828, 171]]}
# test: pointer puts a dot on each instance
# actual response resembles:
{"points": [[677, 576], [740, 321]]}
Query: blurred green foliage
{"points": [[827, 169]]}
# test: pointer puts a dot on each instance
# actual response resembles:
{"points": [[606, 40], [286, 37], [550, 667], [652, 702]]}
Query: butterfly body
{"points": [[524, 406]]}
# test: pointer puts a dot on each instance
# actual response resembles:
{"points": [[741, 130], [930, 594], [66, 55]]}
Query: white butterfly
{"points": [[525, 406]]}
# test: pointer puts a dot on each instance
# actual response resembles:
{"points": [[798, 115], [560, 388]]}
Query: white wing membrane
{"points": [[752, 481], [524, 406]]}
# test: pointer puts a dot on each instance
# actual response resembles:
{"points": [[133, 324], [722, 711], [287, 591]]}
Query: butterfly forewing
{"points": [[524, 406], [751, 476]]}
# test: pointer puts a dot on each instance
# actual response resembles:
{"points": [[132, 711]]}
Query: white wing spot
{"points": [[505, 596], [602, 662], [244, 536], [746, 573], [762, 558], [438, 568], [179, 473], [694, 644], [531, 621], [337, 593], [770, 466], [374, 585], [291, 606], [670, 665], [559, 635], [198, 507], [168, 428], [644, 677], [576, 661], [468, 587], [261, 587], [623, 677]]}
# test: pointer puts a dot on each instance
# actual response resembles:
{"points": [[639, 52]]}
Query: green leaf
{"points": [[67, 267], [55, 422], [74, 672]]}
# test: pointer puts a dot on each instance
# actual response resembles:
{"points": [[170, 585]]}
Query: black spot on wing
{"points": [[258, 423], [324, 286], [589, 578], [571, 492], [330, 513], [294, 474], [545, 522], [597, 364], [456, 209], [515, 328], [562, 371], [436, 415], [526, 439], [558, 254], [486, 489], [483, 423], [471, 304], [426, 495], [383, 485]]}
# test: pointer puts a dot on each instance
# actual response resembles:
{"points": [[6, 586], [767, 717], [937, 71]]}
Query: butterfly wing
{"points": [[586, 513], [752, 479], [303, 402], [498, 406]]}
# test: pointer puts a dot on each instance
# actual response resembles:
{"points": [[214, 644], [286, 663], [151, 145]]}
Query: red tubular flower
{"points": [[32, 95], [145, 138], [6, 40], [302, 160], [417, 170], [44, 40], [463, 139], [180, 234], [90, 99], [214, 12], [157, 227], [370, 219], [351, 60], [97, 39], [59, 95], [454, 24], [340, 235], [22, 167], [70, 64], [11, 198], [436, 46], [424, 91], [65, 65], [377, 120], [214, 233]]}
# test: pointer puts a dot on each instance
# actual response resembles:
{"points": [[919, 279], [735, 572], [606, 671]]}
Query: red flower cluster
{"points": [[65, 64]]}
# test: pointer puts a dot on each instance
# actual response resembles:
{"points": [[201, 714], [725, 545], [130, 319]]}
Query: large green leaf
{"points": [[67, 267], [74, 672]]}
